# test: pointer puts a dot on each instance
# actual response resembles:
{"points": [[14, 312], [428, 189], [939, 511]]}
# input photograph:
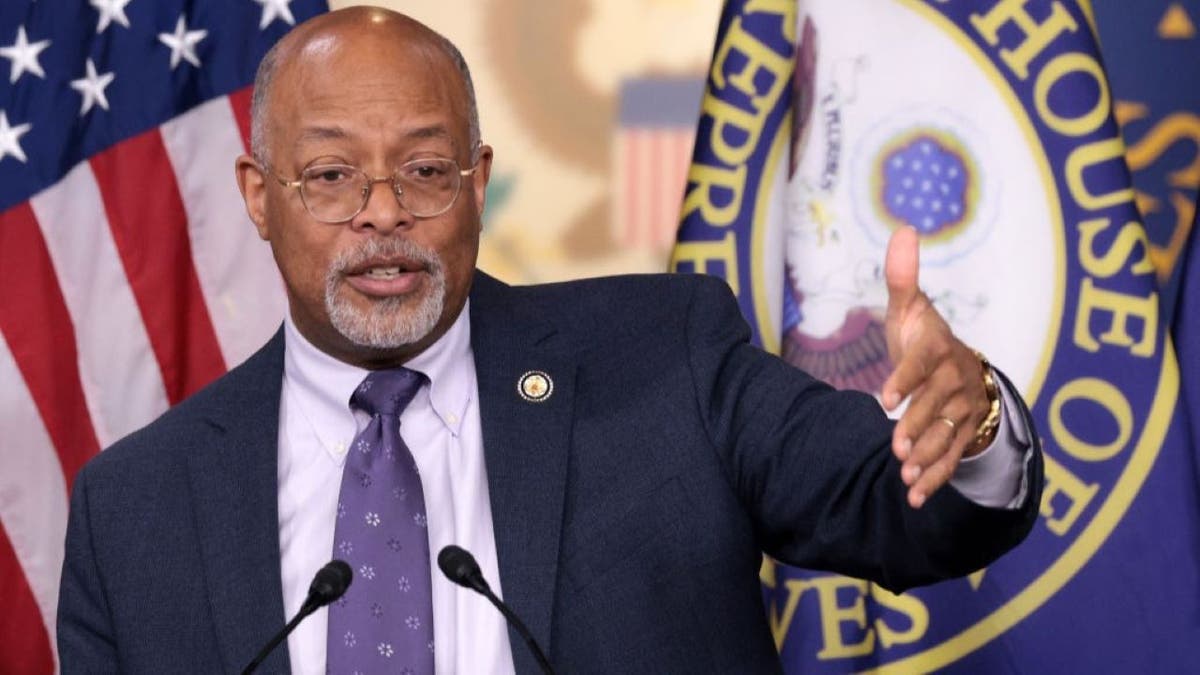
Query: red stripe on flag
{"points": [[679, 182], [633, 163], [26, 643], [37, 326], [621, 192], [240, 102], [149, 226], [624, 168]]}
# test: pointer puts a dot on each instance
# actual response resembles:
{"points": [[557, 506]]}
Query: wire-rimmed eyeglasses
{"points": [[336, 193]]}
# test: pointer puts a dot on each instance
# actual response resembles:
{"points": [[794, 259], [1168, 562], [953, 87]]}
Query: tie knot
{"points": [[386, 392]]}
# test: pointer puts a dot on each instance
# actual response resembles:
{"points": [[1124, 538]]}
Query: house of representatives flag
{"points": [[130, 275], [988, 126]]}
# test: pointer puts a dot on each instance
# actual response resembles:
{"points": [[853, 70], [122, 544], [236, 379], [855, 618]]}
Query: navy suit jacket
{"points": [[630, 508]]}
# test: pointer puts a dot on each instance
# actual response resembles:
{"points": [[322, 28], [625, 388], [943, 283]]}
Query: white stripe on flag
{"points": [[664, 234], [33, 493], [241, 285], [121, 379], [644, 160], [668, 146]]}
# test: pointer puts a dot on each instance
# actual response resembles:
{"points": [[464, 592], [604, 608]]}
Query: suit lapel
{"points": [[234, 479], [234, 493], [526, 447]]}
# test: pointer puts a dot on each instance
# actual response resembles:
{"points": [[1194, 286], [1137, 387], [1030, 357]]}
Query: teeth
{"points": [[383, 272]]}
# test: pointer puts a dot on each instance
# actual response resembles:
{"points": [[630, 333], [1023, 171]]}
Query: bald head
{"points": [[322, 32]]}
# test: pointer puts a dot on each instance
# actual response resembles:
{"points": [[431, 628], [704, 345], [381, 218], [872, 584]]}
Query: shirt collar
{"points": [[450, 366], [320, 387], [328, 383]]}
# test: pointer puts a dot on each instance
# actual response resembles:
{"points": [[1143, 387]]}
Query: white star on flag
{"points": [[92, 87], [183, 43], [273, 9], [110, 11], [24, 55], [10, 138]]}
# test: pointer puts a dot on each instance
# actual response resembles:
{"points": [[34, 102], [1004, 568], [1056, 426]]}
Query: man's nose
{"points": [[383, 211]]}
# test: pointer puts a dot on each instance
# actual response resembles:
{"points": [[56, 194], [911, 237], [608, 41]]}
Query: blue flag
{"points": [[989, 127], [1152, 58], [1186, 331]]}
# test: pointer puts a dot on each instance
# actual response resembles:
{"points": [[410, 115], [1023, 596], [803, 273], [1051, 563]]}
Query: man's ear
{"points": [[253, 184], [479, 179]]}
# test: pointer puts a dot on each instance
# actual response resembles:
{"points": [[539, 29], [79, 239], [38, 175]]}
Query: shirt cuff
{"points": [[998, 476]]}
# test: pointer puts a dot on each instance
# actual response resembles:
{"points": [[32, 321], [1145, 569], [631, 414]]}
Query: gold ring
{"points": [[949, 422]]}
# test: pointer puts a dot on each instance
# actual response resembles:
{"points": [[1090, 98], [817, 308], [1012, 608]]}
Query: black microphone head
{"points": [[460, 567], [330, 583]]}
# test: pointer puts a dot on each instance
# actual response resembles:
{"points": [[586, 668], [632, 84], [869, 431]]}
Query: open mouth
{"points": [[381, 266], [386, 278], [384, 272]]}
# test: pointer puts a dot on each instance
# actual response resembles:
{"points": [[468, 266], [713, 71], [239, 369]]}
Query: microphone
{"points": [[460, 567], [329, 584]]}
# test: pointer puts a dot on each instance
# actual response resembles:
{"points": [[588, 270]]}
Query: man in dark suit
{"points": [[614, 451]]}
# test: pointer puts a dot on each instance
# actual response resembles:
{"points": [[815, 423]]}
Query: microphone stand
{"points": [[308, 608], [329, 584]]}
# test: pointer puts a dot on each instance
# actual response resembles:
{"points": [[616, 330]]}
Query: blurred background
{"points": [[591, 106]]}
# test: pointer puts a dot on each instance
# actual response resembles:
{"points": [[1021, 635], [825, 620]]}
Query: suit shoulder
{"points": [[628, 310], [628, 293]]}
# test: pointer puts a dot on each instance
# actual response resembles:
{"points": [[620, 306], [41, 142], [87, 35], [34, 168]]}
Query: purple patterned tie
{"points": [[384, 623]]}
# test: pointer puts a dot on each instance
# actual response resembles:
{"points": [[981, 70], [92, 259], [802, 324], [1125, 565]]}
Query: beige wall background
{"points": [[550, 78]]}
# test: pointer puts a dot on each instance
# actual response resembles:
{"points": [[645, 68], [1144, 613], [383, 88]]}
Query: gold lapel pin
{"points": [[535, 386]]}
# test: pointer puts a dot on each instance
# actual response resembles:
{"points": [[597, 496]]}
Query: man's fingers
{"points": [[900, 269], [933, 477], [935, 458], [913, 370], [928, 447], [930, 401], [904, 380]]}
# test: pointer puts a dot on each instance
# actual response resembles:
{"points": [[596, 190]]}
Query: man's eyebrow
{"points": [[431, 131], [325, 133], [322, 134]]}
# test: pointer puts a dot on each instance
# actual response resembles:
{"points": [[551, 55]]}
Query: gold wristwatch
{"points": [[986, 431]]}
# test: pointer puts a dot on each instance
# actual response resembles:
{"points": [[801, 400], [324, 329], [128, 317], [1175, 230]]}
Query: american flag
{"points": [[130, 275], [653, 152]]}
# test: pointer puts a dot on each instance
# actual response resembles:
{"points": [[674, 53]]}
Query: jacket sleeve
{"points": [[813, 466]]}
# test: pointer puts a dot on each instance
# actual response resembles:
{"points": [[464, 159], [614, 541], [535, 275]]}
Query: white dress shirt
{"points": [[997, 476], [441, 427]]}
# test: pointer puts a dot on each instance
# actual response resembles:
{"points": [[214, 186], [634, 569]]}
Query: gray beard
{"points": [[388, 323]]}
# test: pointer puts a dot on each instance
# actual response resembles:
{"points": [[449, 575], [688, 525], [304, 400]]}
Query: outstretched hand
{"points": [[941, 374]]}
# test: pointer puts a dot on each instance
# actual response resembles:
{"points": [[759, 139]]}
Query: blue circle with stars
{"points": [[925, 182]]}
